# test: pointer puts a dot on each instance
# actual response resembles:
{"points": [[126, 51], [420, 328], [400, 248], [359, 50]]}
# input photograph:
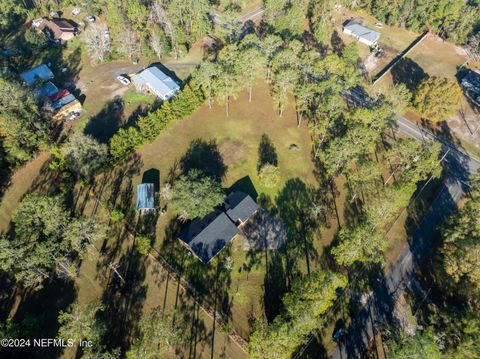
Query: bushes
{"points": [[125, 141], [143, 245]]}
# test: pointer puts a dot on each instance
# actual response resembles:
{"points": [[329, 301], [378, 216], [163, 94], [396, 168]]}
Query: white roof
{"points": [[362, 31], [157, 79]]}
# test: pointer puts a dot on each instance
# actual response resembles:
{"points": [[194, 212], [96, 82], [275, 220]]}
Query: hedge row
{"points": [[148, 127]]}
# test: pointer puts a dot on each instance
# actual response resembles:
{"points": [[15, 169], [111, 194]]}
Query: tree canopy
{"points": [[196, 195], [438, 98]]}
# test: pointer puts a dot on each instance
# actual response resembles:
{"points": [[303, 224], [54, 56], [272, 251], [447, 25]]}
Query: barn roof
{"points": [[157, 80], [363, 32], [41, 72], [146, 196]]}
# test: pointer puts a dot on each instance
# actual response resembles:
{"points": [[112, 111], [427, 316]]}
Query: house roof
{"points": [[157, 79], [58, 28], [209, 235], [240, 206], [471, 81], [57, 96], [146, 196], [46, 90], [62, 102], [61, 24], [361, 31], [41, 72]]}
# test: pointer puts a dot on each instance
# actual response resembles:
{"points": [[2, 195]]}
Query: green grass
{"points": [[133, 98]]}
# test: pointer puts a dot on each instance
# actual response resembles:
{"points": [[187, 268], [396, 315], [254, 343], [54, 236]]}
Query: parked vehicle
{"points": [[90, 18], [73, 116], [379, 25], [76, 11], [106, 33], [123, 79]]}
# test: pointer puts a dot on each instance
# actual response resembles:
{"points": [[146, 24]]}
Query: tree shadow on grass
{"points": [[408, 72], [124, 301], [204, 156], [107, 122], [337, 43], [267, 154], [294, 203], [275, 284]]}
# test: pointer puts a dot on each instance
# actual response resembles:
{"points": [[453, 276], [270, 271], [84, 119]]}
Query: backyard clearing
{"points": [[228, 147]]}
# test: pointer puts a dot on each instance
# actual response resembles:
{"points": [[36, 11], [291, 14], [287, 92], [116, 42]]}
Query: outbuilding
{"points": [[153, 80], [145, 197], [361, 33]]}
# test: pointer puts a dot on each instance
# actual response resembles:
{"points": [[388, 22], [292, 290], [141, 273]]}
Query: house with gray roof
{"points": [[41, 74], [471, 85], [361, 33], [206, 237], [145, 197], [239, 207], [153, 80]]}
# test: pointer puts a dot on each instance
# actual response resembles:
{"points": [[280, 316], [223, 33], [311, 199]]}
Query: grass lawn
{"points": [[244, 290], [237, 139], [20, 183]]}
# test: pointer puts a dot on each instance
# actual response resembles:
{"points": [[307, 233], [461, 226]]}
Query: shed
{"points": [[361, 33], [156, 81], [207, 236], [40, 73], [239, 207], [145, 197]]}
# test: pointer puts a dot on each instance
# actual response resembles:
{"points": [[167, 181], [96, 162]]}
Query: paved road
{"points": [[253, 15], [458, 166]]}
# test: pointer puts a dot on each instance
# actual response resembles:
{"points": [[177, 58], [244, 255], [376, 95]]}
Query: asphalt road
{"points": [[458, 165], [253, 15]]}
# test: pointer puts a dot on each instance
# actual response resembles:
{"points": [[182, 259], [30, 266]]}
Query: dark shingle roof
{"points": [[240, 206], [209, 235], [146, 196]]}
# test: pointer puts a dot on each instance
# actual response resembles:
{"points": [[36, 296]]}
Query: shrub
{"points": [[269, 176], [125, 141], [143, 245]]}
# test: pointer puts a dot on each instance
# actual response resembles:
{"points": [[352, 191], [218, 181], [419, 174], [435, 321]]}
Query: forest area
{"points": [[291, 50]]}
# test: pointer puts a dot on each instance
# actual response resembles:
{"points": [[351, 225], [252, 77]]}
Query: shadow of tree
{"points": [[409, 73], [275, 284], [267, 154], [107, 122], [337, 43], [124, 302], [294, 205], [204, 156]]}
